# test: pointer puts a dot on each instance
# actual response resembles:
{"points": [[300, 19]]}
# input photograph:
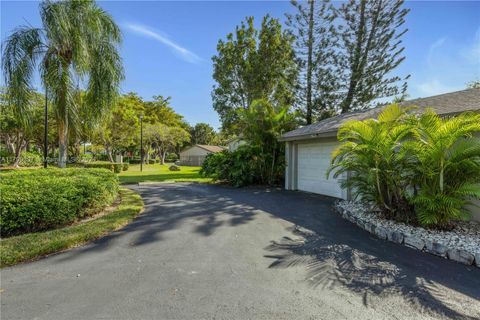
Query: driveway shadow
{"points": [[334, 252]]}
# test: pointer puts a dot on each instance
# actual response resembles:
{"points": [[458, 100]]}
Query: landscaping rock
{"points": [[381, 233], [370, 227], [414, 242], [461, 256], [436, 248], [396, 236], [462, 242]]}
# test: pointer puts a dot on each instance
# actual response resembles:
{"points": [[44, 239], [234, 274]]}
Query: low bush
{"points": [[35, 200], [125, 166], [115, 167], [30, 159], [174, 168], [171, 157], [238, 168]]}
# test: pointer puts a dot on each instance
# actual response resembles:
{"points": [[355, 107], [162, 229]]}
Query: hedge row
{"points": [[35, 200], [115, 167]]}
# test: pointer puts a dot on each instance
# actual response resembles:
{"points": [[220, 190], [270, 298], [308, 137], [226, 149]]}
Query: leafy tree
{"points": [[262, 123], [17, 134], [370, 48], [120, 129], [252, 65], [78, 40], [473, 84], [312, 26], [202, 133], [160, 111], [165, 138]]}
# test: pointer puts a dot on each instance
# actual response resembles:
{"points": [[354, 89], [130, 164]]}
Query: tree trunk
{"points": [[355, 72], [18, 150], [310, 62], [164, 154], [62, 144]]}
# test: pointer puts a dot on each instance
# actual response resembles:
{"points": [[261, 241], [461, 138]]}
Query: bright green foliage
{"points": [[30, 159], [369, 154], [445, 158], [27, 247], [238, 168], [35, 200], [262, 159], [202, 133], [78, 40], [415, 168], [112, 166], [253, 64]]}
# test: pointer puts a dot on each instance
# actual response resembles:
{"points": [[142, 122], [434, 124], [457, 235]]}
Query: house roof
{"points": [[213, 149], [448, 103]]}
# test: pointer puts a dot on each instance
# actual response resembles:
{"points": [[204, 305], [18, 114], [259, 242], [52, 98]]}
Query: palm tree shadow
{"points": [[330, 264]]}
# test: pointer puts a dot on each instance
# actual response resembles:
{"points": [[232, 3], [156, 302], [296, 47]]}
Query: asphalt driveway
{"points": [[211, 252]]}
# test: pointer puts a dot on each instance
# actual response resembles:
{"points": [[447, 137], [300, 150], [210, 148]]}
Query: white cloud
{"points": [[433, 50], [184, 53], [434, 86], [472, 53]]}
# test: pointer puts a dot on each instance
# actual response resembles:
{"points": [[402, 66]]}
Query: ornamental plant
{"points": [[369, 155], [445, 158], [416, 168]]}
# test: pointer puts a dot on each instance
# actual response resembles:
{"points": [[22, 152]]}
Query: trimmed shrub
{"points": [[125, 166], [115, 167], [36, 200], [30, 159], [171, 157], [238, 168], [174, 168]]}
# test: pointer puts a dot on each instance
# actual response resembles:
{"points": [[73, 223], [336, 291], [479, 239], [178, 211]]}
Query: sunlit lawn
{"points": [[160, 173]]}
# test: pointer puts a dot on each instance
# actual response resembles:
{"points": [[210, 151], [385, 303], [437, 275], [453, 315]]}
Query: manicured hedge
{"points": [[41, 199], [115, 167]]}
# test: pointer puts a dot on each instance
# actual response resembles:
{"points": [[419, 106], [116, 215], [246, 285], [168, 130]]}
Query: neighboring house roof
{"points": [[448, 103], [213, 149]]}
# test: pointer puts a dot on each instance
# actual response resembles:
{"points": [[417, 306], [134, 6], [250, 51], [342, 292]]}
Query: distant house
{"points": [[195, 155], [234, 143], [309, 148]]}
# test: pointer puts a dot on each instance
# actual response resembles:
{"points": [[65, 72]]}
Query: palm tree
{"points": [[446, 159], [370, 155], [77, 46]]}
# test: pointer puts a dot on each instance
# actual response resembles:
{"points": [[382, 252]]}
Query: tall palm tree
{"points": [[76, 47]]}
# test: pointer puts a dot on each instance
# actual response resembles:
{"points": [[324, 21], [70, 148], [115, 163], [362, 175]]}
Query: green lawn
{"points": [[160, 173], [31, 246]]}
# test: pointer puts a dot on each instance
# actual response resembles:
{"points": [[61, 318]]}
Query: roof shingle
{"points": [[448, 103]]}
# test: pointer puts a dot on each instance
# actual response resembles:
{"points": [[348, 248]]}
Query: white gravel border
{"points": [[462, 244]]}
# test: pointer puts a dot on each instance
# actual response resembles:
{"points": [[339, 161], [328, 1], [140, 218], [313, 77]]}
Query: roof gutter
{"points": [[309, 136]]}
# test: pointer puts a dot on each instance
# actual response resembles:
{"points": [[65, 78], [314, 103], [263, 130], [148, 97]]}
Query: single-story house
{"points": [[309, 148], [195, 155]]}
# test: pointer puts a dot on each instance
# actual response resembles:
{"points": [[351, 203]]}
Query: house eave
{"points": [[309, 136]]}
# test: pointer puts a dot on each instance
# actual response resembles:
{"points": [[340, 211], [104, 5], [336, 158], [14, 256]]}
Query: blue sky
{"points": [[168, 46]]}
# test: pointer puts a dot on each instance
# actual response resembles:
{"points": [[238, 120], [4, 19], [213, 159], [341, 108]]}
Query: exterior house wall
{"points": [[193, 156], [302, 152]]}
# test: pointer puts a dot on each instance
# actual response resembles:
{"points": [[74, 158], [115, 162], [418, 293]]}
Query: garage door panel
{"points": [[313, 163]]}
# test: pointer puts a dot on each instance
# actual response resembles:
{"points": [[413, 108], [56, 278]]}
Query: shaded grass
{"points": [[160, 173], [32, 246]]}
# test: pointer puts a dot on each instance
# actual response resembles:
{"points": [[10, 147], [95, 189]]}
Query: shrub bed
{"points": [[35, 200], [115, 167]]}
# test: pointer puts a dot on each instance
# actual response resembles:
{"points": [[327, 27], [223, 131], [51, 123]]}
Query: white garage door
{"points": [[313, 162]]}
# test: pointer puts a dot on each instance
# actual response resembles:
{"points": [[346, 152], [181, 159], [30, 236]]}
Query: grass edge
{"points": [[33, 246]]}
